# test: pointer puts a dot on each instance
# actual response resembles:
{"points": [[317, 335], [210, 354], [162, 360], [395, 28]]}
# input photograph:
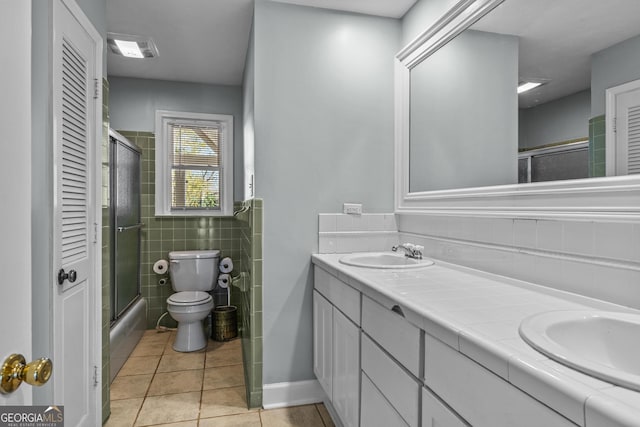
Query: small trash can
{"points": [[225, 323]]}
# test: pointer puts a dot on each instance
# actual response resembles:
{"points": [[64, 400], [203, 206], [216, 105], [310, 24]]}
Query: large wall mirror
{"points": [[463, 128]]}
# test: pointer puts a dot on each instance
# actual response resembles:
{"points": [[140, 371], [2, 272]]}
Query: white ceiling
{"points": [[201, 41], [205, 41], [388, 8]]}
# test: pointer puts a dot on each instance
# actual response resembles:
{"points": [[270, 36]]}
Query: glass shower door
{"points": [[127, 227]]}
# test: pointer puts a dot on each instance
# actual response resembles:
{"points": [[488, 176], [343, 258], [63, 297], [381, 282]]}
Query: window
{"points": [[194, 164]]}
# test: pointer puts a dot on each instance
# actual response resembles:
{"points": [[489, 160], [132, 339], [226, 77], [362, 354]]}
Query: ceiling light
{"points": [[129, 49], [523, 87], [131, 46]]}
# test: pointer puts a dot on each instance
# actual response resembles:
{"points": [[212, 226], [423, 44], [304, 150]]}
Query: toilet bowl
{"points": [[189, 309], [193, 274]]}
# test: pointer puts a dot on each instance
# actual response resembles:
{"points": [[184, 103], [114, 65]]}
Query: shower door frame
{"points": [[114, 140]]}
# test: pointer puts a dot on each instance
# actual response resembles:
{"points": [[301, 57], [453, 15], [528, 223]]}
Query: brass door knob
{"points": [[14, 370]]}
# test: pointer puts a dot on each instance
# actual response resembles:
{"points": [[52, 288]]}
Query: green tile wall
{"points": [[161, 235], [597, 148], [251, 302], [106, 254]]}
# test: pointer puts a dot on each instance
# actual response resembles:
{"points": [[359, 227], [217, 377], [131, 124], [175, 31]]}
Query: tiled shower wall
{"points": [[106, 253], [161, 235], [251, 298]]}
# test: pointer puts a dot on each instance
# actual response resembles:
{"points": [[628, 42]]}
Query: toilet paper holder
{"points": [[161, 267]]}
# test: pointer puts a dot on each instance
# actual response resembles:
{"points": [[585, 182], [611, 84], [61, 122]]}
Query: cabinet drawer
{"points": [[341, 295], [398, 337], [479, 396], [435, 413], [376, 410], [398, 387]]}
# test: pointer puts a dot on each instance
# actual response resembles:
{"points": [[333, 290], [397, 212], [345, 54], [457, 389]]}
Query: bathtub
{"points": [[125, 334]]}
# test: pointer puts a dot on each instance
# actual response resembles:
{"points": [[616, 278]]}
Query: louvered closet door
{"points": [[74, 142], [628, 132]]}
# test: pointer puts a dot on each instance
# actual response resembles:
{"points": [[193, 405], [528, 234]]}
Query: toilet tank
{"points": [[193, 270]]}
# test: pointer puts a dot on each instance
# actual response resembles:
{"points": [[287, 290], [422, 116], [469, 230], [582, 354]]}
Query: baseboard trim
{"points": [[281, 395]]}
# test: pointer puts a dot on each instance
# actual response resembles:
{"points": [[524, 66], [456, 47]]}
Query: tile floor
{"points": [[158, 386]]}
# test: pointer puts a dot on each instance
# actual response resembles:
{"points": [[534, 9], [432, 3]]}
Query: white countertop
{"points": [[478, 314]]}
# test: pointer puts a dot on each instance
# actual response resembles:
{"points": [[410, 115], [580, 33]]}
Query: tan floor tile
{"points": [[324, 414], [223, 376], [148, 349], [153, 336], [181, 362], [223, 357], [169, 408], [176, 382], [224, 401], [234, 343], [252, 419], [193, 423], [139, 365], [297, 416], [123, 412], [128, 387]]}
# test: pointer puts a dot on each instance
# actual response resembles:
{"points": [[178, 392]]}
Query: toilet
{"points": [[193, 274]]}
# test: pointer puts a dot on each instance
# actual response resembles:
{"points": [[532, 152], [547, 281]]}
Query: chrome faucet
{"points": [[410, 250]]}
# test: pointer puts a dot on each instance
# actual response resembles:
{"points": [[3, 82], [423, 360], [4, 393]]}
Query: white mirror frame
{"points": [[615, 198]]}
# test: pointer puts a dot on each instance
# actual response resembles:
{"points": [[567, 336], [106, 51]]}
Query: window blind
{"points": [[195, 166]]}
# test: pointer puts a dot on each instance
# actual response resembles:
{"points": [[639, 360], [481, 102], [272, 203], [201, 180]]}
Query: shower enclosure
{"points": [[128, 308]]}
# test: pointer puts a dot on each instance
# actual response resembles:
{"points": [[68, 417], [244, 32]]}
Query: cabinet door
{"points": [[376, 410], [323, 341], [434, 413], [346, 369]]}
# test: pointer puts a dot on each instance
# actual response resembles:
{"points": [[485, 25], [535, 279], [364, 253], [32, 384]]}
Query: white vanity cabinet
{"points": [[391, 361], [336, 338]]}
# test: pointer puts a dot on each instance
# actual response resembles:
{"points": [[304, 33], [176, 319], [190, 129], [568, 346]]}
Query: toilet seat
{"points": [[189, 298]]}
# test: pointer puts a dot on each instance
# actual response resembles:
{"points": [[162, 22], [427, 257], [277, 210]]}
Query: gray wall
{"points": [[323, 136], [133, 104], [612, 67], [559, 120], [464, 120]]}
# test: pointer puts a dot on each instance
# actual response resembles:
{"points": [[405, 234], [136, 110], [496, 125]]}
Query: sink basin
{"points": [[605, 345], [388, 260]]}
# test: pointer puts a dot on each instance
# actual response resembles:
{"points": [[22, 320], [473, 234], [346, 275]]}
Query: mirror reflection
{"points": [[469, 126]]}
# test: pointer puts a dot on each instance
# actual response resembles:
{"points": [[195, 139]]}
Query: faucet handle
{"points": [[410, 246], [419, 248]]}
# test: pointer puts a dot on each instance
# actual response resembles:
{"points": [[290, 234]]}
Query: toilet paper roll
{"points": [[224, 280], [226, 265], [161, 267]]}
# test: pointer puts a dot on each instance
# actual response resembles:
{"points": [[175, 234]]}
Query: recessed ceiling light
{"points": [[132, 46], [527, 83], [523, 87]]}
